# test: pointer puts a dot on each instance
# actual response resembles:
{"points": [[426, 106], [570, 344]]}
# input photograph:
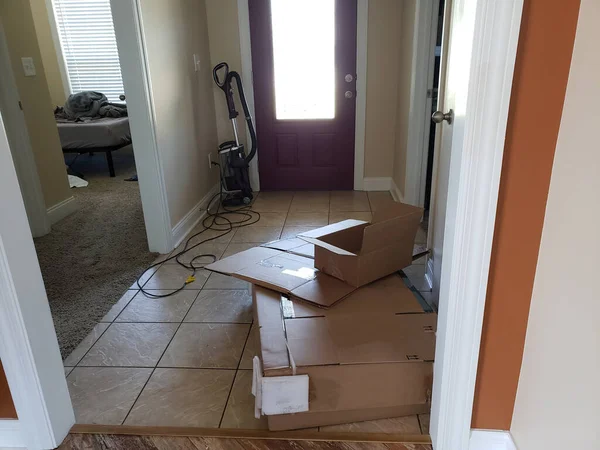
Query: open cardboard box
{"points": [[359, 252], [287, 265], [368, 358]]}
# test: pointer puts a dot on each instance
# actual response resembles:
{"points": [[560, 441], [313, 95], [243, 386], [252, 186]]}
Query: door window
{"points": [[304, 58]]}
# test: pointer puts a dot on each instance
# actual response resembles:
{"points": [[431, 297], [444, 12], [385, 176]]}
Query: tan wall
{"points": [[383, 75], [407, 27], [557, 399], [224, 39], [48, 51], [21, 38], [540, 80], [183, 99]]}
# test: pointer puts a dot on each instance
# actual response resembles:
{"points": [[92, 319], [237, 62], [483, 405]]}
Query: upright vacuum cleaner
{"points": [[232, 158]]}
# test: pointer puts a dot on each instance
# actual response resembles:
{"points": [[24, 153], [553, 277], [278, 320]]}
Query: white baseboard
{"points": [[192, 218], [61, 210], [10, 434], [396, 194], [377, 184], [491, 440]]}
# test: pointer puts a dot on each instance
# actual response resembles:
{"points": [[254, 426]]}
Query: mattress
{"points": [[94, 134]]}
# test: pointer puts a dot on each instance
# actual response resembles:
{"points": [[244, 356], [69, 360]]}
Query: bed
{"points": [[96, 135]]}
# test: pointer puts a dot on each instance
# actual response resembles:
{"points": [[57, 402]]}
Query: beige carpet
{"points": [[93, 256]]}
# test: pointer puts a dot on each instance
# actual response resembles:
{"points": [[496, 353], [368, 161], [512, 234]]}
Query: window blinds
{"points": [[89, 47]]}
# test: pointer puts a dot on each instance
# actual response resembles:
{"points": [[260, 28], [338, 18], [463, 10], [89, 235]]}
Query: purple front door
{"points": [[304, 72]]}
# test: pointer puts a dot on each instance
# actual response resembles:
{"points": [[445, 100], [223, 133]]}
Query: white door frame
{"points": [[361, 86], [22, 153], [471, 213], [127, 19], [28, 346], [422, 67]]}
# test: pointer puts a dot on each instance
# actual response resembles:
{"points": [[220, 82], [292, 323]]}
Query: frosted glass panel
{"points": [[304, 58]]}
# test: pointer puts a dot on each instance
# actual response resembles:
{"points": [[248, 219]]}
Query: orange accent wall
{"points": [[7, 408], [541, 73]]}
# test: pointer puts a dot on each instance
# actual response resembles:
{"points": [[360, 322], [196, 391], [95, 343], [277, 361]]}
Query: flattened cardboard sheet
{"points": [[286, 273]]}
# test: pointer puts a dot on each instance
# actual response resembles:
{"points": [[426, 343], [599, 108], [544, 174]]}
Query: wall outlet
{"points": [[196, 62], [210, 162]]}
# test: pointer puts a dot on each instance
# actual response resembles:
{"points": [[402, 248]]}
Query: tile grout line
{"points": [[236, 372], [94, 343], [161, 356]]}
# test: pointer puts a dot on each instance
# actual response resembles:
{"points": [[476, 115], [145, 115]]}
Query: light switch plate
{"points": [[28, 66]]}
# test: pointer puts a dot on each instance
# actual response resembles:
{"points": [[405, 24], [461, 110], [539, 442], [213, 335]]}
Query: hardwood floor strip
{"points": [[299, 435], [130, 442]]}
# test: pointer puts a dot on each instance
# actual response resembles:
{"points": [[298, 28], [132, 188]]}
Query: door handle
{"points": [[439, 116]]}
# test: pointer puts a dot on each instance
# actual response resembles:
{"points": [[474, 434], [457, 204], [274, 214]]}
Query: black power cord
{"points": [[216, 221]]}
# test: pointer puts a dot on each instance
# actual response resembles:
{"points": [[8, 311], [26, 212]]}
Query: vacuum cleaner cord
{"points": [[216, 221]]}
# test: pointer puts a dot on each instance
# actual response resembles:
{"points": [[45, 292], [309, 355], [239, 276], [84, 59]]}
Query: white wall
{"points": [[183, 99], [558, 398]]}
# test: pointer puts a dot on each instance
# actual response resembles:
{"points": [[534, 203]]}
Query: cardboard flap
{"points": [[294, 246], [233, 263], [398, 223], [386, 338], [328, 246], [389, 295], [310, 342], [323, 291], [333, 228], [274, 354], [285, 244], [284, 272], [354, 339]]}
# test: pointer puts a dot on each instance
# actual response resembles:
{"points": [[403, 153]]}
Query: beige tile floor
{"points": [[186, 360]]}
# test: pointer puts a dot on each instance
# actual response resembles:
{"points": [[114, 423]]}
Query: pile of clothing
{"points": [[88, 105]]}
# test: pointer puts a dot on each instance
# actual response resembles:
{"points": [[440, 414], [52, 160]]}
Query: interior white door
{"points": [[441, 167], [454, 77]]}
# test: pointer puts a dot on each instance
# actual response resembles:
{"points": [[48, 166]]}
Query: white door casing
{"points": [[483, 37], [28, 346]]}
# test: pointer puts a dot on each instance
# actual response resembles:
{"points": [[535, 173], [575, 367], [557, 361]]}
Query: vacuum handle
{"points": [[216, 70], [225, 85]]}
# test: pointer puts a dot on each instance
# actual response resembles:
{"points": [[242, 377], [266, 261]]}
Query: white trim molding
{"points": [[61, 210], [362, 25], [127, 19], [420, 105], [395, 191], [377, 184], [248, 81], [10, 434], [491, 440], [472, 200], [193, 217]]}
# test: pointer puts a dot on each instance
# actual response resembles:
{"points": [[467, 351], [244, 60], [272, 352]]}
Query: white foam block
{"points": [[284, 395]]}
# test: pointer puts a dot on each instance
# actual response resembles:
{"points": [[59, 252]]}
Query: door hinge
{"points": [[20, 105]]}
